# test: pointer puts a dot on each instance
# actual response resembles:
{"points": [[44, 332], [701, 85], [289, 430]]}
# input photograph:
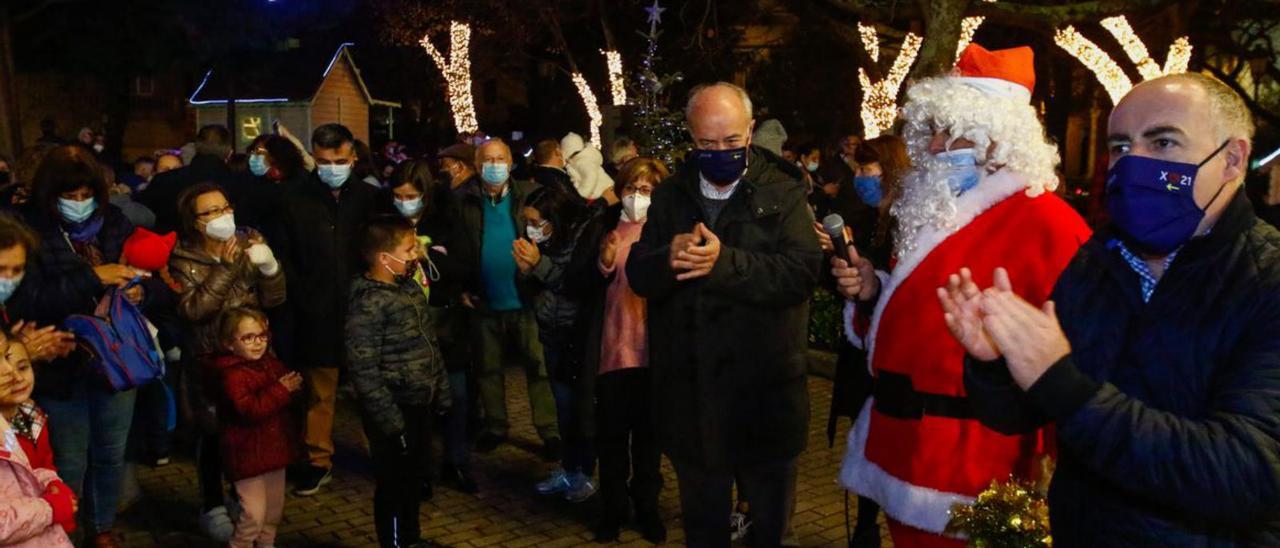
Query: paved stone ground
{"points": [[506, 512]]}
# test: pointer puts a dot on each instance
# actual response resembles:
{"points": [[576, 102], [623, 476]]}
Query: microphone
{"points": [[833, 224]]}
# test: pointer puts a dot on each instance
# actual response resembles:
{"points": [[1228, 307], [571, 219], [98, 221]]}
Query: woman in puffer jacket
{"points": [[216, 268], [555, 224]]}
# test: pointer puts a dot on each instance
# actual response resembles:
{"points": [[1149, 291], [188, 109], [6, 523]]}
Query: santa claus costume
{"points": [[915, 448]]}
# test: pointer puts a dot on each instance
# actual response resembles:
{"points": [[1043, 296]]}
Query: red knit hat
{"points": [[1003, 72], [147, 250]]}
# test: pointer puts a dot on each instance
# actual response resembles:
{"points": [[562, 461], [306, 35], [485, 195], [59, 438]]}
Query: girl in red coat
{"points": [[256, 433]]}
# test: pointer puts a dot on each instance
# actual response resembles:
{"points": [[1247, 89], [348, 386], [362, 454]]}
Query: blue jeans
{"points": [[457, 450], [578, 453], [89, 432]]}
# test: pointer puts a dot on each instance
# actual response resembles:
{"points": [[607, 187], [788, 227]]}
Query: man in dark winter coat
{"points": [[1161, 367], [549, 169], [213, 147], [728, 261], [321, 223]]}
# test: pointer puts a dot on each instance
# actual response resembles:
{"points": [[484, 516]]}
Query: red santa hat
{"points": [[147, 250], [1002, 73]]}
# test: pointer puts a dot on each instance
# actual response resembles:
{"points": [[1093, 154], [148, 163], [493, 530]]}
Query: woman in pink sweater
{"points": [[617, 357]]}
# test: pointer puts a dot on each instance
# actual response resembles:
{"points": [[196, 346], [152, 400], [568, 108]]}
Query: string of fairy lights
{"points": [[457, 75], [879, 99], [1107, 70], [617, 82], [593, 106]]}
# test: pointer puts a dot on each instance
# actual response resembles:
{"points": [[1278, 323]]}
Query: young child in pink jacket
{"points": [[36, 508]]}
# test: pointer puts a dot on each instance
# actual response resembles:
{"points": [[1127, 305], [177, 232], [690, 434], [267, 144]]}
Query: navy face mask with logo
{"points": [[1152, 202], [721, 167]]}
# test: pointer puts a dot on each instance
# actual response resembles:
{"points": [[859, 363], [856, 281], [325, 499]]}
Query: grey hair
{"points": [[698, 89], [1232, 118], [480, 149]]}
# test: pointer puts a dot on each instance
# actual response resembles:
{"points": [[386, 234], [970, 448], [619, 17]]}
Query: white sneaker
{"points": [[217, 524], [580, 488], [738, 526], [557, 483]]}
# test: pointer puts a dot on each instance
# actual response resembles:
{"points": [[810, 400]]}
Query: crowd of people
{"points": [[657, 310]]}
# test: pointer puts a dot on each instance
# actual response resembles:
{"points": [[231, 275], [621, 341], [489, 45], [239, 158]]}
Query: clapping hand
{"points": [[609, 249], [695, 253], [1030, 338], [527, 255], [292, 381], [997, 322], [46, 343], [962, 311]]}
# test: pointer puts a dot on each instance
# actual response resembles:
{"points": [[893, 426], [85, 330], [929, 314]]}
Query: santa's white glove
{"points": [[262, 257]]}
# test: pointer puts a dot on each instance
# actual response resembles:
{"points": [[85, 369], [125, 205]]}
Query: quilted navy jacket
{"points": [[1167, 413]]}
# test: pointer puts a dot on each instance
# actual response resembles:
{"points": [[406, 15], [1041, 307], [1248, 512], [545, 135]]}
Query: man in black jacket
{"points": [[728, 261], [213, 147], [549, 170], [321, 223], [1161, 367]]}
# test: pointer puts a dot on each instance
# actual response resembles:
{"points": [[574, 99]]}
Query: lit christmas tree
{"points": [[658, 130]]}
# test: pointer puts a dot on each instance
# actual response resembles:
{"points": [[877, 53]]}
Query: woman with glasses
{"points": [[615, 375], [217, 267]]}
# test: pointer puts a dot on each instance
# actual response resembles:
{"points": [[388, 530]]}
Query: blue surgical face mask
{"points": [[8, 286], [1152, 202], [812, 166], [258, 164], [868, 188], [77, 211], [409, 208], [963, 174], [334, 175], [721, 167], [495, 173]]}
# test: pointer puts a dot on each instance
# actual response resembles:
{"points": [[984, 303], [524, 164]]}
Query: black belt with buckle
{"points": [[896, 398]]}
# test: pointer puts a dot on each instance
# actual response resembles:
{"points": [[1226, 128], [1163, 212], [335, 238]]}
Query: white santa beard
{"points": [[926, 201]]}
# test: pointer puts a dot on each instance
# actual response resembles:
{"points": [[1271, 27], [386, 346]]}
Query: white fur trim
{"points": [[991, 190], [851, 309], [996, 87], [920, 507]]}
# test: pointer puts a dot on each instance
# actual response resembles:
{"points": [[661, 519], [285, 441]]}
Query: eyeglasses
{"points": [[216, 212], [641, 190], [251, 338]]}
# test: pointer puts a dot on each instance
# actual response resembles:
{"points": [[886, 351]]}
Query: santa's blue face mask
{"points": [[1152, 202], [721, 167]]}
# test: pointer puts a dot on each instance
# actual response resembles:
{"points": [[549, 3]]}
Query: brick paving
{"points": [[506, 512]]}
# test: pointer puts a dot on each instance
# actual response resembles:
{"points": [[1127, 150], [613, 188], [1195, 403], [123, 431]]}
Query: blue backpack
{"points": [[121, 347]]}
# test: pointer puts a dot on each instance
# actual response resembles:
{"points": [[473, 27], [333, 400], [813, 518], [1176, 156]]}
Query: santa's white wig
{"points": [[1005, 131]]}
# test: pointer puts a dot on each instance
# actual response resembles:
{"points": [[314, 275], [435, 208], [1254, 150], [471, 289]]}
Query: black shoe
{"points": [[651, 528], [608, 530], [867, 537], [459, 478], [311, 480], [551, 450], [489, 441]]}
